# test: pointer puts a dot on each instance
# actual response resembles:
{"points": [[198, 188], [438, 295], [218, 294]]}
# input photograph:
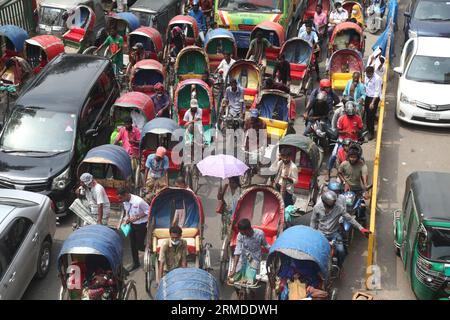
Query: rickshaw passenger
{"points": [[337, 16], [286, 176], [247, 254], [96, 196], [116, 44], [161, 101], [257, 49], [225, 64], [234, 100], [199, 16], [179, 218], [135, 209], [137, 54], [156, 170], [212, 26], [310, 36], [357, 15], [10, 51], [282, 70], [130, 136], [173, 252], [354, 42], [320, 19], [325, 218], [43, 61], [178, 41]]}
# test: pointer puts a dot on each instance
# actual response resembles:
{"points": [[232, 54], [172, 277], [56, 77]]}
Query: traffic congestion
{"points": [[216, 150]]}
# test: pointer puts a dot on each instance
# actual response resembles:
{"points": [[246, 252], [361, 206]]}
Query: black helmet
{"points": [[329, 198], [350, 108], [335, 186]]}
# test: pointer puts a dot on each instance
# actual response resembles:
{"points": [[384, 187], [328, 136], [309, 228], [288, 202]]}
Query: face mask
{"points": [[354, 12], [175, 242], [159, 95]]}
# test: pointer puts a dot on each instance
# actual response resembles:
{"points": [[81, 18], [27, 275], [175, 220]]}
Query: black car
{"points": [[157, 14], [427, 18], [59, 116]]}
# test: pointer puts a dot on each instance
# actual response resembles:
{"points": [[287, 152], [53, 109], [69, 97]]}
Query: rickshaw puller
{"points": [[225, 65], [199, 16], [255, 123], [325, 218], [247, 254], [310, 36], [161, 101], [116, 44], [137, 54], [257, 49], [178, 40], [135, 209], [234, 100], [96, 196], [130, 137], [173, 252], [156, 171], [282, 70]]}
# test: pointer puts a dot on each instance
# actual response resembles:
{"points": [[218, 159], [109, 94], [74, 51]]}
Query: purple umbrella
{"points": [[222, 166]]}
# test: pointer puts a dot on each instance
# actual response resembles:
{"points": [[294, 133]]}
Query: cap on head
{"points": [[138, 45], [325, 83], [86, 178], [194, 103], [160, 152], [254, 113], [159, 86]]}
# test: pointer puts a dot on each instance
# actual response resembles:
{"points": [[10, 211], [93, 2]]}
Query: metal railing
{"points": [[17, 12]]}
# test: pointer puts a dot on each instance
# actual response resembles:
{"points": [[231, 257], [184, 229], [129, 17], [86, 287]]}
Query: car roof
{"points": [[426, 46], [64, 83], [151, 5], [5, 210], [430, 190], [63, 4]]}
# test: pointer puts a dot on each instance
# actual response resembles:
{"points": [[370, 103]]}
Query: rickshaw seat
{"points": [[339, 80], [250, 92], [206, 117], [275, 127], [304, 178], [298, 71], [75, 34], [272, 54], [112, 195], [191, 235]]}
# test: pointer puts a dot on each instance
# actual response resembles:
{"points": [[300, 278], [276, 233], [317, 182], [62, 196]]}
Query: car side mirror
{"points": [[398, 70], [407, 14]]}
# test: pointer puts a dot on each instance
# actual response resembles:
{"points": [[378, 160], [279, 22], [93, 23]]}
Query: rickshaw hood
{"points": [[151, 33], [15, 34], [303, 243], [50, 44]]}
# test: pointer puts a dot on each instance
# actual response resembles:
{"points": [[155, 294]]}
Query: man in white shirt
{"points": [[97, 198], [377, 61], [225, 65], [337, 16], [310, 36], [135, 211], [286, 176], [372, 84]]}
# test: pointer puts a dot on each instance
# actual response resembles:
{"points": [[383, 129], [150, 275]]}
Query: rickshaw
{"points": [[422, 234], [311, 8], [299, 54], [90, 266], [260, 203], [192, 63], [12, 39], [136, 105], [190, 29], [51, 46], [110, 166], [248, 76], [347, 35], [80, 29], [157, 132], [151, 40], [300, 257], [308, 159], [145, 74], [218, 42], [124, 23], [274, 32], [277, 110], [188, 284], [341, 66], [162, 212]]}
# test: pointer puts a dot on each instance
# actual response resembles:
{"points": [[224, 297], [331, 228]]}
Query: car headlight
{"points": [[61, 181], [412, 34], [406, 100]]}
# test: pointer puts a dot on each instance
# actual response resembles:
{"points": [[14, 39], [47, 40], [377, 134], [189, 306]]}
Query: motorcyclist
{"points": [[199, 16], [353, 171], [325, 218], [350, 124], [319, 111], [332, 97]]}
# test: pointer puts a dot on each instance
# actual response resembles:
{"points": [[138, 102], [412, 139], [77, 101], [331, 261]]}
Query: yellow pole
{"points": [[376, 167]]}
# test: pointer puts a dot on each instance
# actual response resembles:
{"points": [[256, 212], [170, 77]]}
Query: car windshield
{"points": [[145, 18], [429, 69], [432, 10], [51, 16], [18, 203], [440, 244], [252, 5], [37, 130]]}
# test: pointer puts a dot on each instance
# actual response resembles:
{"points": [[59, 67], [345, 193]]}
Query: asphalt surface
{"points": [[405, 149]]}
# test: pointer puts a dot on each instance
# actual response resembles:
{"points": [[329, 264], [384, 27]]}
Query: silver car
{"points": [[27, 227]]}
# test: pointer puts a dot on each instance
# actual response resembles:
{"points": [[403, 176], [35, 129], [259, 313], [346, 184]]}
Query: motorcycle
{"points": [[374, 16], [322, 135]]}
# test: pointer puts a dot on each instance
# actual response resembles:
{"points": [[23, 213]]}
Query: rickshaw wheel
{"points": [[270, 293], [333, 294], [130, 291], [63, 293], [224, 262], [90, 50], [195, 180]]}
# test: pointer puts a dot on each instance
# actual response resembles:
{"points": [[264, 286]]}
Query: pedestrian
{"points": [[286, 176], [372, 84], [95, 194], [337, 16], [225, 65], [355, 89], [173, 252], [130, 136], [377, 61], [135, 212], [116, 45], [229, 195], [161, 101], [282, 70], [156, 171], [257, 49]]}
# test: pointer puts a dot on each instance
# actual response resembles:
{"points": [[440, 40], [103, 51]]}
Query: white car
{"points": [[423, 95]]}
